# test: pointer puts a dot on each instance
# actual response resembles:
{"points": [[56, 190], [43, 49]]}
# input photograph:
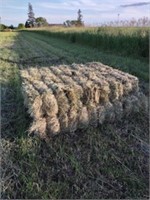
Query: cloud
{"points": [[16, 7], [58, 11], [76, 4], [136, 4], [92, 10]]}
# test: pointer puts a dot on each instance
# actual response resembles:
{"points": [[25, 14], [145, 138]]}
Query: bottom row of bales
{"points": [[65, 98]]}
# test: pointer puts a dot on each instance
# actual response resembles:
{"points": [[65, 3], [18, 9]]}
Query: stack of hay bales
{"points": [[69, 97]]}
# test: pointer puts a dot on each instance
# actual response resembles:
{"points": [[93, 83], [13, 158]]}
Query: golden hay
{"points": [[47, 74], [83, 118], [93, 115], [53, 126], [36, 111], [50, 106], [34, 72], [38, 127], [64, 106], [67, 97], [101, 114]]}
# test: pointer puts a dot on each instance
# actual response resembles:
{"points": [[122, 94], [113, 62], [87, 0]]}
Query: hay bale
{"points": [[34, 72], [67, 97], [38, 127], [49, 107], [83, 118], [53, 125], [63, 108], [101, 114]]}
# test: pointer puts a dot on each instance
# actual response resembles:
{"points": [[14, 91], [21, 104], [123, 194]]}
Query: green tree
{"points": [[77, 22], [79, 18], [70, 23], [41, 21], [11, 27], [2, 27], [31, 19], [21, 26]]}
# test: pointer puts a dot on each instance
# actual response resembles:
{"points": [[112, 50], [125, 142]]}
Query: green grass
{"points": [[108, 162], [81, 54], [122, 40]]}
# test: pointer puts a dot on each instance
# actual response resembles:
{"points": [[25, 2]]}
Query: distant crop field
{"points": [[107, 162], [121, 40]]}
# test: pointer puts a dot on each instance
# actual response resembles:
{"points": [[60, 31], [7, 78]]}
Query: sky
{"points": [[13, 12]]}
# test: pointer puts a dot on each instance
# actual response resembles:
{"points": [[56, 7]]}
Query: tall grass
{"points": [[123, 41]]}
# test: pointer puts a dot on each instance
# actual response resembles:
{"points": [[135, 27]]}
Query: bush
{"points": [[21, 26], [2, 27]]}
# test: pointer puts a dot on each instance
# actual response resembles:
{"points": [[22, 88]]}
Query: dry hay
{"points": [[67, 97]]}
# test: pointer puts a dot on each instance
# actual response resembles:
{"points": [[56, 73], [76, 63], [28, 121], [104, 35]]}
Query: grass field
{"points": [[108, 162], [127, 41]]}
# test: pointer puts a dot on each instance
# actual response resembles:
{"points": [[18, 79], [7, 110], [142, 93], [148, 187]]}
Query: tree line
{"points": [[40, 21], [32, 21]]}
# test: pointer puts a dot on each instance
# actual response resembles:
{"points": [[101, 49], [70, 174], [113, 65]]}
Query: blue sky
{"points": [[57, 11]]}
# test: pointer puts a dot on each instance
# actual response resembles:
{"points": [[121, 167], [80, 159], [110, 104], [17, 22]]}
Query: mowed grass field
{"points": [[127, 41], [110, 161]]}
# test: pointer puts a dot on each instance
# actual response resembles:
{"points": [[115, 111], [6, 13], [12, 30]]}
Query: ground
{"points": [[110, 161]]}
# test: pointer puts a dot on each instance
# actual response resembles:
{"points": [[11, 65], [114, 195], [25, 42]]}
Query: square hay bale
{"points": [[69, 97]]}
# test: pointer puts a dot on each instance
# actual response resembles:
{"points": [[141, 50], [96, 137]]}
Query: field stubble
{"points": [[112, 162]]}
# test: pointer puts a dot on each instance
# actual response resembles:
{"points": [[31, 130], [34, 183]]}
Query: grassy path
{"points": [[77, 53], [108, 162]]}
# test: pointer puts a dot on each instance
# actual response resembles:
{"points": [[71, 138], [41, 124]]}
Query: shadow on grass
{"points": [[34, 60]]}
